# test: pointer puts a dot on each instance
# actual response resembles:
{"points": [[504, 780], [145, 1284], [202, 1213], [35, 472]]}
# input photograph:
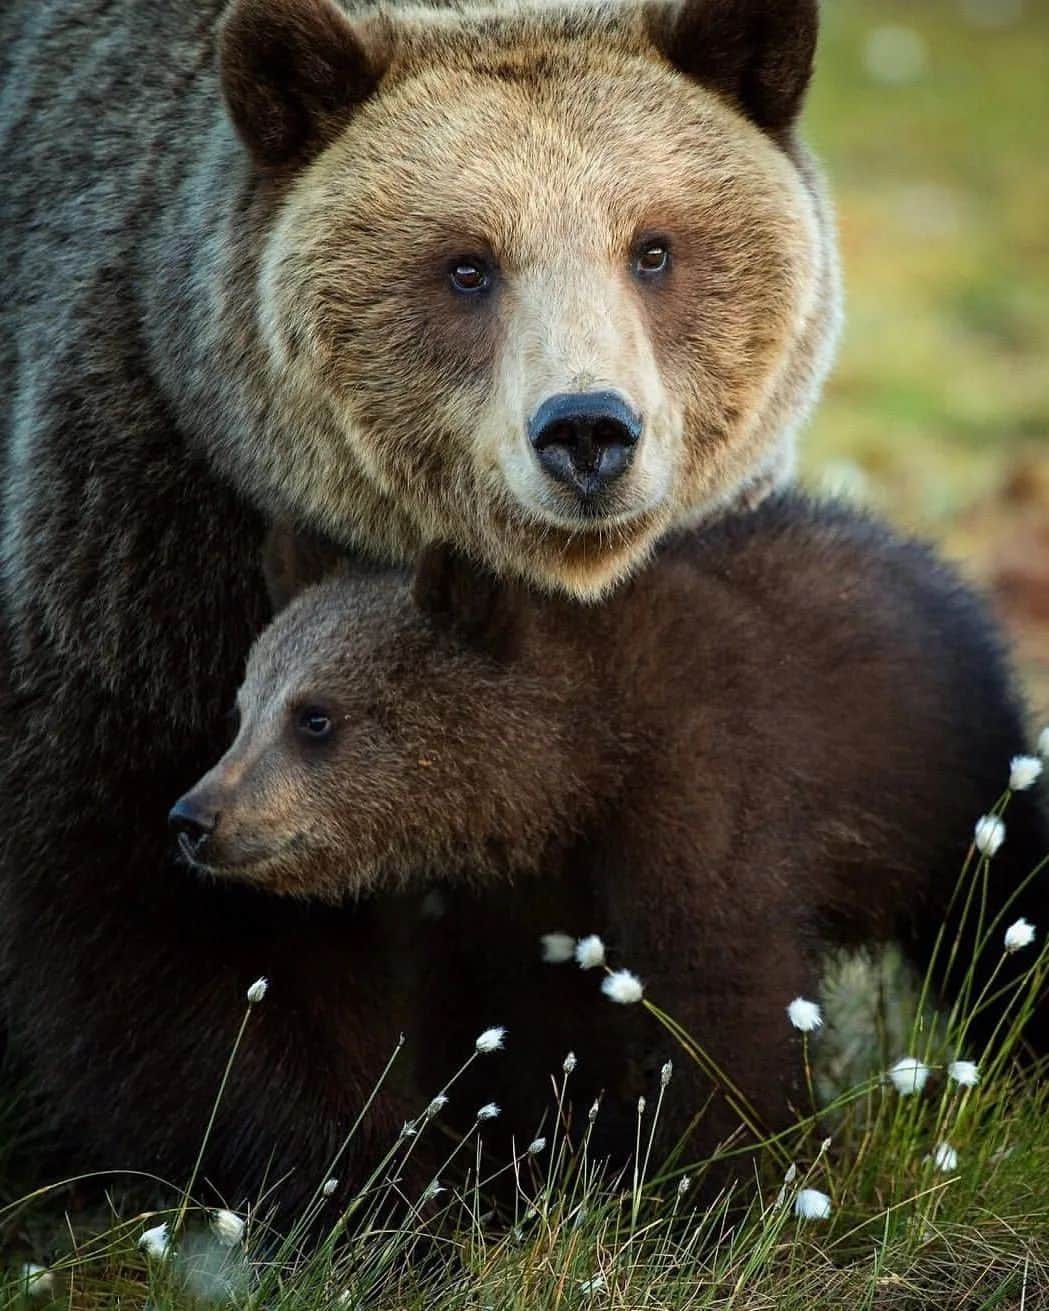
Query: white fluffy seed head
{"points": [[989, 834], [557, 948], [684, 1184], [329, 1187], [536, 1146], [591, 1115], [811, 1204], [590, 952], [804, 1015], [666, 1073], [257, 991], [227, 1228], [623, 987], [155, 1242], [436, 1106], [1023, 772], [966, 1073], [490, 1041], [488, 1111], [945, 1158], [909, 1075], [37, 1280], [569, 1063], [1019, 935], [433, 1189], [1042, 745], [588, 1287]]}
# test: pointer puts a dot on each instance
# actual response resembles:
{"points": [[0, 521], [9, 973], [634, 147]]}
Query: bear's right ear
{"points": [[484, 610], [759, 53], [292, 71], [293, 560]]}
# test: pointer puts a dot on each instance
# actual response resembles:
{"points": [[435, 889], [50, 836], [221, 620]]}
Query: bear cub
{"points": [[775, 740]]}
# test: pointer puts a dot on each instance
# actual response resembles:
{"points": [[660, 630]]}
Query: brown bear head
{"points": [[392, 727], [561, 275]]}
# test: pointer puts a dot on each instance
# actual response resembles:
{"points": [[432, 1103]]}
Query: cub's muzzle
{"points": [[585, 440], [193, 822]]}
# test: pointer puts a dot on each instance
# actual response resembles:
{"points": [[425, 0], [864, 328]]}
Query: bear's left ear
{"points": [[484, 610], [293, 70], [293, 559], [759, 53]]}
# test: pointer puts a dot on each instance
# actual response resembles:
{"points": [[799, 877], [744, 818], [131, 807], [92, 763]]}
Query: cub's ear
{"points": [[484, 610], [759, 53], [293, 560], [292, 72]]}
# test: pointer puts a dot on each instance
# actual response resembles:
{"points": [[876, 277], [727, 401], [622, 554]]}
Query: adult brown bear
{"points": [[543, 281]]}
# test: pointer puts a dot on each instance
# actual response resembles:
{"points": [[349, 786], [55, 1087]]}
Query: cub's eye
{"points": [[315, 723], [651, 259], [469, 276]]}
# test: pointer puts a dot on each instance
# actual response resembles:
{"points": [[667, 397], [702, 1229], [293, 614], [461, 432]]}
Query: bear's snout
{"points": [[585, 439], [193, 819]]}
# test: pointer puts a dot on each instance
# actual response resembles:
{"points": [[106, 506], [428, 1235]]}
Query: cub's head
{"points": [[392, 726], [556, 277]]}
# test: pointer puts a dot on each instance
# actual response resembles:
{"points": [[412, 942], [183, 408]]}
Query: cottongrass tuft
{"points": [[557, 948], [945, 1158], [805, 1015], [433, 1189], [811, 1204], [909, 1075], [227, 1228], [156, 1242], [37, 1280], [623, 987], [258, 990], [436, 1106], [489, 1111], [666, 1073], [989, 834], [1023, 772], [329, 1187], [965, 1073], [1019, 935], [683, 1185], [590, 952], [536, 1146], [490, 1041], [588, 1287], [569, 1063]]}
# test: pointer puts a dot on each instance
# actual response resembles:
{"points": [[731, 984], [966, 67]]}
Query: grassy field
{"points": [[932, 115]]}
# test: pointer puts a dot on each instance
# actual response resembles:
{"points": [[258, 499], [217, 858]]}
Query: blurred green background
{"points": [[932, 117]]}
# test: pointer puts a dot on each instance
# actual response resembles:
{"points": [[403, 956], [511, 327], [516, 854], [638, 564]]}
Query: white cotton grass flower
{"points": [[909, 1075], [436, 1106], [623, 987], [1024, 771], [257, 991], [811, 1204], [1042, 745], [1019, 935], [989, 834], [37, 1280], [683, 1185], [590, 952], [329, 1187], [805, 1015], [945, 1158], [964, 1073], [156, 1242], [557, 948], [666, 1073], [536, 1146], [588, 1287], [569, 1063], [433, 1189], [490, 1041], [227, 1227], [489, 1111]]}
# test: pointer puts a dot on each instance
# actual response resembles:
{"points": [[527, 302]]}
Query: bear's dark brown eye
{"points": [[470, 276], [315, 723], [651, 259]]}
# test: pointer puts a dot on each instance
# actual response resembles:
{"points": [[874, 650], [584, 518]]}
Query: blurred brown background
{"points": [[933, 119]]}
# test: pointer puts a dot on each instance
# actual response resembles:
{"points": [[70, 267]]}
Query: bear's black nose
{"points": [[191, 821], [585, 439]]}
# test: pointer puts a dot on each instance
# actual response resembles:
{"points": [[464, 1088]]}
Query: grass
{"points": [[938, 414]]}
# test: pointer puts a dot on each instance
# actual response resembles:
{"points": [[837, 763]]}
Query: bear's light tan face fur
{"points": [[551, 162]]}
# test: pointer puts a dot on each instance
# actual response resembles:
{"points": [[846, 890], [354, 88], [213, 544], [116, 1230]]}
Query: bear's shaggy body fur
{"points": [[774, 741], [199, 331]]}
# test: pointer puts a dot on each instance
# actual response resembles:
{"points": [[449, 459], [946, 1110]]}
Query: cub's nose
{"points": [[585, 439], [192, 822]]}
